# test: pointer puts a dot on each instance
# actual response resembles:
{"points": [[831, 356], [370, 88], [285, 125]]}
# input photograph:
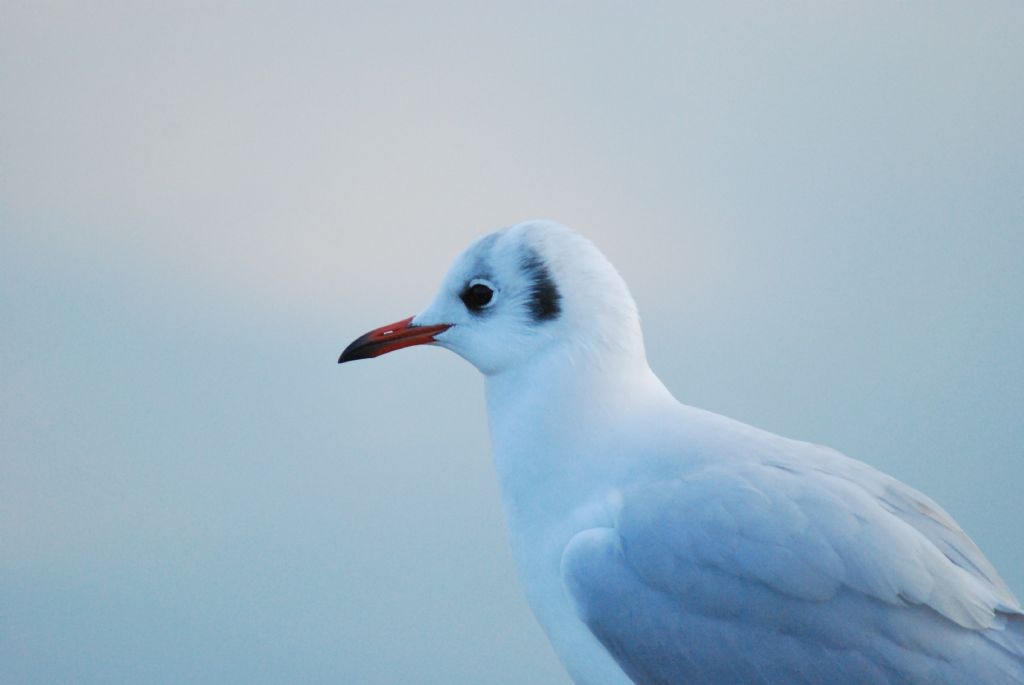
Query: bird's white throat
{"points": [[553, 419]]}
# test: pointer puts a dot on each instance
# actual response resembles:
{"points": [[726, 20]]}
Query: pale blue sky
{"points": [[818, 206]]}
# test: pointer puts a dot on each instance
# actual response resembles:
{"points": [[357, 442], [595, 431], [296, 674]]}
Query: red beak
{"points": [[389, 338]]}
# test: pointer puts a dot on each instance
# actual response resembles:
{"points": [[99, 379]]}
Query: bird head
{"points": [[516, 294]]}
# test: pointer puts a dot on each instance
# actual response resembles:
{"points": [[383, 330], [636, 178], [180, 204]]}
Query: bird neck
{"points": [[553, 419]]}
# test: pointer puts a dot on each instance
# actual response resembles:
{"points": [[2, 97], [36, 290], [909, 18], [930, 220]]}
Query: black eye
{"points": [[477, 296]]}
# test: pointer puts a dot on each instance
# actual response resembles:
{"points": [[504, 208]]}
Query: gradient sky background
{"points": [[819, 208]]}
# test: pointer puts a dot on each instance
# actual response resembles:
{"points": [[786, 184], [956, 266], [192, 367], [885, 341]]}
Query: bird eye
{"points": [[477, 295]]}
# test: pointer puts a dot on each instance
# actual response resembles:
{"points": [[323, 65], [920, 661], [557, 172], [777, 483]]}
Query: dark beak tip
{"points": [[360, 348], [354, 352]]}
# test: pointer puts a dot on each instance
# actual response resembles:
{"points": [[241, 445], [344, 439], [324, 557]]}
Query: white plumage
{"points": [[662, 544]]}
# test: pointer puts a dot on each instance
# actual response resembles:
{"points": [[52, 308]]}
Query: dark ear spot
{"points": [[545, 302]]}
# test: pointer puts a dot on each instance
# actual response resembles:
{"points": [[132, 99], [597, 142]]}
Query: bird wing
{"points": [[792, 572], [925, 516]]}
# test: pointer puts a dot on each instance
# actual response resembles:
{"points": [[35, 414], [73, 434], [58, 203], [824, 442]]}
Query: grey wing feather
{"points": [[937, 526], [777, 575]]}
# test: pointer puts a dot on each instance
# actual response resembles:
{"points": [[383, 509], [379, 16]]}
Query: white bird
{"points": [[663, 544]]}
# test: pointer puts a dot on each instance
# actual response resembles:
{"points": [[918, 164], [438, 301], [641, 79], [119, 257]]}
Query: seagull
{"points": [[661, 544]]}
